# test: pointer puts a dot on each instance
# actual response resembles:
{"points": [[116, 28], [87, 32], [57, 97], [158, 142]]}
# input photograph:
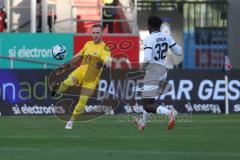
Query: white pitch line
{"points": [[150, 152], [78, 136]]}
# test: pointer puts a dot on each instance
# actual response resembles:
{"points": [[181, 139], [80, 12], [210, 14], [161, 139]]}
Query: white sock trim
{"points": [[163, 111]]}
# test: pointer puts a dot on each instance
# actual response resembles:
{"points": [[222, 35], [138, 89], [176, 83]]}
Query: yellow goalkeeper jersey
{"points": [[92, 54]]}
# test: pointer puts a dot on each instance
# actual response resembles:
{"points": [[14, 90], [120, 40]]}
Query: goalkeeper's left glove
{"points": [[100, 65]]}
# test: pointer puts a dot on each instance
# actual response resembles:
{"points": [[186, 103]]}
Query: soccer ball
{"points": [[59, 52]]}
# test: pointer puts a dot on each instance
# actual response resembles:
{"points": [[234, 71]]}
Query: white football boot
{"points": [[140, 126], [69, 125]]}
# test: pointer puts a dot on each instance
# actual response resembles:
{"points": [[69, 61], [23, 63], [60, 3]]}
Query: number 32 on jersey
{"points": [[161, 51]]}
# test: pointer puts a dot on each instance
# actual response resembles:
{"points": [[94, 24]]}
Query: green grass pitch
{"points": [[206, 137]]}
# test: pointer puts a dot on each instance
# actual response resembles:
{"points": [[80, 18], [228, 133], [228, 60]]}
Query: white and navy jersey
{"points": [[156, 46]]}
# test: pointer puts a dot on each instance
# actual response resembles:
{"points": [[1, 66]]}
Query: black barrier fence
{"points": [[27, 92]]}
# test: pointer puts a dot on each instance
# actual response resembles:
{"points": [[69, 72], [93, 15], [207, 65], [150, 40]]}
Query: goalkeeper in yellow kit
{"points": [[95, 55]]}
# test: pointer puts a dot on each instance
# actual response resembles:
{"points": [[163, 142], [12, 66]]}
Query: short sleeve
{"points": [[106, 57], [82, 52], [171, 42], [147, 49], [147, 43]]}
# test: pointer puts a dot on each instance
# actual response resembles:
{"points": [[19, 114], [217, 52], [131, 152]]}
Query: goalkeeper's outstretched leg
{"points": [[94, 57], [79, 109]]}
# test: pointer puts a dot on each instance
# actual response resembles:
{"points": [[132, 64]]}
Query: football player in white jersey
{"points": [[156, 46]]}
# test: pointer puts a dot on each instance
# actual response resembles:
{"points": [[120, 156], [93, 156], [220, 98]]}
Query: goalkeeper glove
{"points": [[66, 65], [63, 68], [100, 65], [55, 89]]}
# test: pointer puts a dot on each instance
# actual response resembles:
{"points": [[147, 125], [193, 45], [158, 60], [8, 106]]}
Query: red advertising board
{"points": [[124, 49]]}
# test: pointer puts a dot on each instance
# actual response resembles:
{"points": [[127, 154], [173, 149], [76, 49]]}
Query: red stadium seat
{"points": [[88, 13]]}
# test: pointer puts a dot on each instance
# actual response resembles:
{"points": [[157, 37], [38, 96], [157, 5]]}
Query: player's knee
{"points": [[74, 81], [87, 92]]}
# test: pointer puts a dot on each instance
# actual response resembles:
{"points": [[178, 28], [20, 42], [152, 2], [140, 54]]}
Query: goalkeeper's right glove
{"points": [[63, 68], [66, 65], [55, 89]]}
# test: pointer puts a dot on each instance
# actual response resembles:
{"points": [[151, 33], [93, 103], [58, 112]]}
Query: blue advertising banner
{"points": [[36, 47], [25, 91]]}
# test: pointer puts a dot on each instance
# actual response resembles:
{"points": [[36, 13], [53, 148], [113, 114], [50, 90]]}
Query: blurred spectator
{"points": [[109, 14], [131, 5], [3, 16], [51, 18], [39, 15]]}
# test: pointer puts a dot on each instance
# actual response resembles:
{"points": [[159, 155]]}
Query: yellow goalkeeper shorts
{"points": [[78, 78]]}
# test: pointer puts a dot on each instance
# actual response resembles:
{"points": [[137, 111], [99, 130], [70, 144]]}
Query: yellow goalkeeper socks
{"points": [[79, 108], [63, 87]]}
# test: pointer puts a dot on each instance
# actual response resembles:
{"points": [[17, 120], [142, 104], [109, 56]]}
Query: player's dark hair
{"points": [[155, 21], [97, 25]]}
